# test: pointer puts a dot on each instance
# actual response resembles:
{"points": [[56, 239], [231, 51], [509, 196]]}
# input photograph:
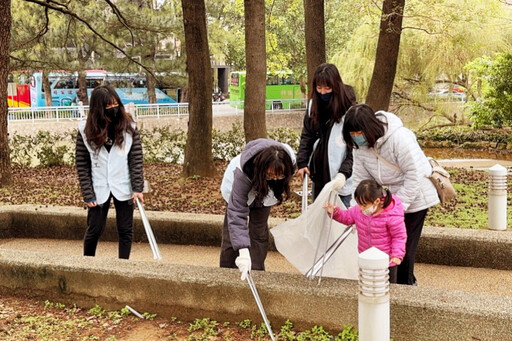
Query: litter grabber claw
{"points": [[260, 305], [149, 231], [329, 252]]}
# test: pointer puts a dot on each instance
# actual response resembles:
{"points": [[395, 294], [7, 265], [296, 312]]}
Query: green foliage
{"points": [[149, 316], [316, 333], [163, 145], [495, 108], [227, 145], [97, 311], [348, 334], [44, 149], [205, 326], [463, 134], [286, 135], [258, 332], [125, 311], [51, 305], [470, 209]]}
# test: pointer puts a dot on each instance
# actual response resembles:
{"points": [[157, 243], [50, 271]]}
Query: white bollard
{"points": [[497, 208], [373, 313]]}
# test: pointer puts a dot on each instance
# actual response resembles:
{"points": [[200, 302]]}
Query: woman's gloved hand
{"points": [[338, 182], [243, 261]]}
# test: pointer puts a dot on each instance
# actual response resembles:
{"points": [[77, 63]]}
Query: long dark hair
{"points": [[361, 117], [370, 190], [276, 159], [342, 96], [97, 122]]}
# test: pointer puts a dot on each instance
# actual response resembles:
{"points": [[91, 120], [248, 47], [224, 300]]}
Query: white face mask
{"points": [[370, 210]]}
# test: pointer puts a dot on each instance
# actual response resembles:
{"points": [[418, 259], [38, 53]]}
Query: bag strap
{"points": [[389, 164]]}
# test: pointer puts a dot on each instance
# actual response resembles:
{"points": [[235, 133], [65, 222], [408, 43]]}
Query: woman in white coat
{"points": [[386, 151]]}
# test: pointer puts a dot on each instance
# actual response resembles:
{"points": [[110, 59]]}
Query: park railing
{"points": [[144, 110], [276, 105]]}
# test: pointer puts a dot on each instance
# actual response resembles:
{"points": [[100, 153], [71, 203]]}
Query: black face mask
{"points": [[325, 97], [111, 113], [275, 183]]}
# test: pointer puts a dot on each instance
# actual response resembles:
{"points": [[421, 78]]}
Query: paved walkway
{"points": [[476, 280]]}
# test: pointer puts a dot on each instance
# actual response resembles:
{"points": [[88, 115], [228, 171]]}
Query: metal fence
{"points": [[142, 110]]}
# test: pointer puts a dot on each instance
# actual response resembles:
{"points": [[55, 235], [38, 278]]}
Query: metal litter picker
{"points": [[260, 305], [149, 231]]}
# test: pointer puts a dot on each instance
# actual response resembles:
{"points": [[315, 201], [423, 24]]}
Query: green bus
{"points": [[282, 91]]}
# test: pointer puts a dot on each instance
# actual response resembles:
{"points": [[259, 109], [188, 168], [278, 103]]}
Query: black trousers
{"points": [[258, 233], [97, 219], [414, 226], [392, 274]]}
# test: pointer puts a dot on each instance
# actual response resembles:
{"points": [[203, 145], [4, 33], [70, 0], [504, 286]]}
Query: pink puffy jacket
{"points": [[386, 230]]}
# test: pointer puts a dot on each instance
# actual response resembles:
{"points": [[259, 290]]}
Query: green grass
{"points": [[471, 207]]}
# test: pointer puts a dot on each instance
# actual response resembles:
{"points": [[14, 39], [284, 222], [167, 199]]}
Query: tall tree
{"points": [[315, 35], [198, 151], [5, 34], [386, 58], [256, 76]]}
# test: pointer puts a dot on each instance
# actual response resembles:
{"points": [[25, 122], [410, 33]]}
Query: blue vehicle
{"points": [[64, 86]]}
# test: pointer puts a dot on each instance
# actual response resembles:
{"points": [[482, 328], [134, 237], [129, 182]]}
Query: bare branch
{"points": [[412, 102], [27, 64], [121, 18], [423, 29]]}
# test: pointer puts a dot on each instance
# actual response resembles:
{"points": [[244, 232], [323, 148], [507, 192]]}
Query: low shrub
{"points": [[159, 145]]}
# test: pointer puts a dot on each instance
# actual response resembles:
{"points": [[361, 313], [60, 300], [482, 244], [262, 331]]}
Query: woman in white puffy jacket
{"points": [[386, 151]]}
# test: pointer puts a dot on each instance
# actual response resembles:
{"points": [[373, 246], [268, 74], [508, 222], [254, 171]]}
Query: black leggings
{"points": [[414, 226], [97, 219], [258, 233]]}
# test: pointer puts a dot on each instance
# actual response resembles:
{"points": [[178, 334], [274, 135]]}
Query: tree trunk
{"points": [[315, 36], [5, 33], [46, 88], [386, 58], [150, 86], [256, 76], [149, 61], [82, 88], [198, 151]]}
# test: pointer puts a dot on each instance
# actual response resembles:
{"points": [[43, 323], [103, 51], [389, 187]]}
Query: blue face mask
{"points": [[325, 97], [360, 140]]}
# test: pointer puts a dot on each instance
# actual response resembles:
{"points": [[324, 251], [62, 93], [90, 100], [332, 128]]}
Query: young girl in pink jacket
{"points": [[379, 219]]}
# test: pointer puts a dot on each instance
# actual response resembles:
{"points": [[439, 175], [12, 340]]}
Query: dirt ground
{"points": [[23, 318]]}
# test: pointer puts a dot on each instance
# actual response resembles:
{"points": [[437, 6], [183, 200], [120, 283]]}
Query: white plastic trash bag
{"points": [[298, 240]]}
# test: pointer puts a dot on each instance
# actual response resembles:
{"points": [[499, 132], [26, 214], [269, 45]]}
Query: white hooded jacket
{"points": [[399, 147]]}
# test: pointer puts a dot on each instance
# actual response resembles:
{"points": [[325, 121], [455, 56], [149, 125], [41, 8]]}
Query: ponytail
{"points": [[388, 198], [370, 190]]}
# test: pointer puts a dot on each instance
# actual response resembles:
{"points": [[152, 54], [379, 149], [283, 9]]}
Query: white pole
{"points": [[497, 208], [373, 313]]}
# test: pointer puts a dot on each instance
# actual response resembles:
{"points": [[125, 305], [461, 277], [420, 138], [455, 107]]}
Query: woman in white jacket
{"points": [[109, 165], [388, 152]]}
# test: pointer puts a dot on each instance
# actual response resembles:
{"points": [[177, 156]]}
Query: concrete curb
{"points": [[194, 291], [443, 246], [417, 313]]}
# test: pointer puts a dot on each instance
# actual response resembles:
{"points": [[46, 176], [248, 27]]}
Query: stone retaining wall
{"points": [[443, 246], [192, 291]]}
